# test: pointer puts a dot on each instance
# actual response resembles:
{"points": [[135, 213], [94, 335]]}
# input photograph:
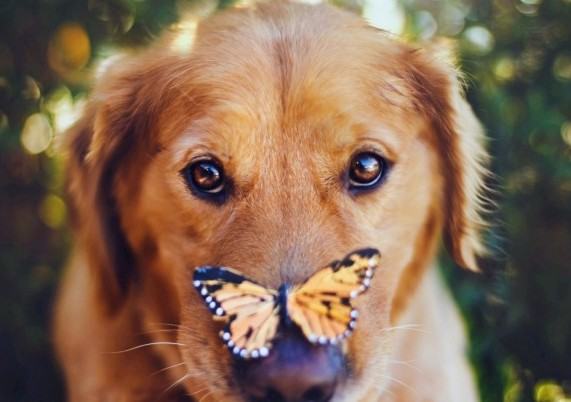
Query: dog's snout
{"points": [[295, 371]]}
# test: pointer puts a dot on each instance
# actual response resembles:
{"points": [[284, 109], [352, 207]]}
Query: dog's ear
{"points": [[459, 138], [115, 126]]}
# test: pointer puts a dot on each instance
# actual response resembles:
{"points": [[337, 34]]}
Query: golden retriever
{"points": [[288, 136]]}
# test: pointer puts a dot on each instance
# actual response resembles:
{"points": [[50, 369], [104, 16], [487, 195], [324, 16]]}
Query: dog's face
{"points": [[286, 138]]}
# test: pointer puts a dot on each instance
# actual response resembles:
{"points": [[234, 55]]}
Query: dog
{"points": [[287, 136]]}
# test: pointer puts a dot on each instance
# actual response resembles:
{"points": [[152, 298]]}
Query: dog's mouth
{"points": [[294, 371]]}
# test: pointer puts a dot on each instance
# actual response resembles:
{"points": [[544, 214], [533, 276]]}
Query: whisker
{"points": [[410, 327], [146, 345], [404, 384], [405, 363], [188, 375], [170, 324], [154, 331], [206, 396], [177, 382], [167, 368], [198, 391]]}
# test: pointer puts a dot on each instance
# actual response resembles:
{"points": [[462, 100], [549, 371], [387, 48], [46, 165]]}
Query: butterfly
{"points": [[321, 306]]}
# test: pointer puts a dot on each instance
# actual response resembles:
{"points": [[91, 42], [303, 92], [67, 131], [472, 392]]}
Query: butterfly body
{"points": [[283, 292], [321, 306]]}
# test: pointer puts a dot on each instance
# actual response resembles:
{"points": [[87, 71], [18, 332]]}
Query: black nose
{"points": [[295, 371]]}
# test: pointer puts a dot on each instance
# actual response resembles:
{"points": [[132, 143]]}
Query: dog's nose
{"points": [[295, 371]]}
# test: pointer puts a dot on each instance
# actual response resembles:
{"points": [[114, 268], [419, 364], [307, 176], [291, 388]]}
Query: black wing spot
{"points": [[363, 253], [347, 262], [366, 252], [335, 265], [213, 288], [249, 333], [205, 274]]}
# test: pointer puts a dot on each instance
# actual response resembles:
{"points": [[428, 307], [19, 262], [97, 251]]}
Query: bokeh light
{"points": [[562, 67], [185, 33], [37, 134], [426, 25], [479, 39], [387, 15], [513, 393], [549, 391], [504, 68], [4, 123], [566, 132], [31, 89], [52, 211], [452, 19], [69, 49], [64, 109]]}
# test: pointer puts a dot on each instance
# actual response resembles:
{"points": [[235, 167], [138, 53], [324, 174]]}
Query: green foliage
{"points": [[34, 241], [517, 59]]}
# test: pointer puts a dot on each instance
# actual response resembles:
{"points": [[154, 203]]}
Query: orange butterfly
{"points": [[320, 306]]}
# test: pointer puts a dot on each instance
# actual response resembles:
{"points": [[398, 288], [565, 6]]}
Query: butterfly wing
{"points": [[321, 306], [250, 310]]}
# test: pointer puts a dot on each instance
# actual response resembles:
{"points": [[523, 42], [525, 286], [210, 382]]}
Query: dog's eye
{"points": [[366, 170], [205, 177]]}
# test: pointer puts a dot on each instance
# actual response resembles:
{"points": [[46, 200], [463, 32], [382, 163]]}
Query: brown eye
{"points": [[205, 177], [366, 170]]}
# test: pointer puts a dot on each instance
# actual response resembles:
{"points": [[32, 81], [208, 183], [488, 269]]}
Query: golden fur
{"points": [[282, 94]]}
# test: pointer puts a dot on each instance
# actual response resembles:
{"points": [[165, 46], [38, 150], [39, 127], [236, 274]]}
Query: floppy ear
{"points": [[114, 126], [459, 139]]}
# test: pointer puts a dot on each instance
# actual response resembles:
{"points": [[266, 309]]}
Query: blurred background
{"points": [[517, 58]]}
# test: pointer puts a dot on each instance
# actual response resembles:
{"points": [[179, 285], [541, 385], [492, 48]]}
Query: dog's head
{"points": [[288, 136]]}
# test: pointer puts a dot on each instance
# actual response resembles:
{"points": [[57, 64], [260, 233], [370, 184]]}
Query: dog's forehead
{"points": [[280, 72], [327, 112]]}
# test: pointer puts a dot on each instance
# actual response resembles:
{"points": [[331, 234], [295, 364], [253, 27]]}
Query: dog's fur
{"points": [[282, 94]]}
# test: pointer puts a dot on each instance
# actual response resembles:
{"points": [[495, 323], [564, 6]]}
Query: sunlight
{"points": [[185, 33], [387, 15]]}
